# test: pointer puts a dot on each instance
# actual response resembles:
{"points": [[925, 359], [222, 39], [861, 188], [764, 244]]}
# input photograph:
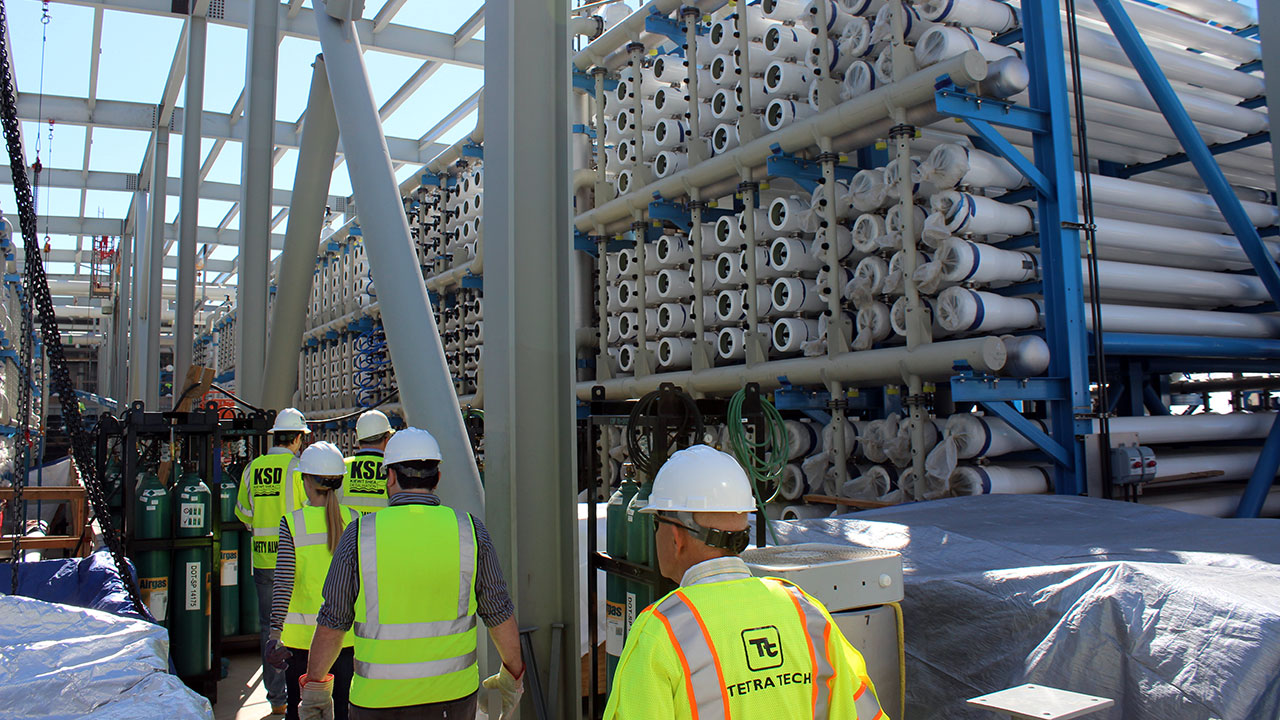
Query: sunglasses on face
{"points": [[659, 520]]}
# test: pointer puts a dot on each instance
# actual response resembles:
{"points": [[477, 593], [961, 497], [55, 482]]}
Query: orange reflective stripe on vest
{"points": [[694, 645], [817, 630]]}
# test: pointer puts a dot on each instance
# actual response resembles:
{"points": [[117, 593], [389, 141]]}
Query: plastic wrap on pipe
{"points": [[951, 164], [956, 213], [997, 479], [871, 325], [914, 26], [963, 310], [943, 41], [986, 14]]}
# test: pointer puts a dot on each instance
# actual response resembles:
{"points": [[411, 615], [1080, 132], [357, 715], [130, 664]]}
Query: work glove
{"points": [[510, 687], [277, 654], [316, 698]]}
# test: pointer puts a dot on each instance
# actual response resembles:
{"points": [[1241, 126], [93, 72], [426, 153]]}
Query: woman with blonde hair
{"points": [[308, 537]]}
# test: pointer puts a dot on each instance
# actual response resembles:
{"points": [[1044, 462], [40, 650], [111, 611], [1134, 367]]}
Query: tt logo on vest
{"points": [[763, 648]]}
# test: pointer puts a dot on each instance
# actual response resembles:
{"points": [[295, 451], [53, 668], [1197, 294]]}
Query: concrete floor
{"points": [[242, 696]]}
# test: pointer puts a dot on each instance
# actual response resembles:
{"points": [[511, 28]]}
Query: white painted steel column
{"points": [[318, 146], [529, 343], [137, 309], [124, 320], [155, 261], [189, 212], [255, 202], [426, 388], [1269, 34]]}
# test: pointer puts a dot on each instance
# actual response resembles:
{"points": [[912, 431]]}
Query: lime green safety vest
{"points": [[364, 487], [310, 531], [415, 621], [741, 649], [265, 496]]}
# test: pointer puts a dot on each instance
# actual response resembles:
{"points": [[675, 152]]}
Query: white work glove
{"points": [[510, 687], [316, 698]]}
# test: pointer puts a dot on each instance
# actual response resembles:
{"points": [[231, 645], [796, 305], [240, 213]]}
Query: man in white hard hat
{"points": [[726, 644], [364, 487], [410, 580], [270, 488]]}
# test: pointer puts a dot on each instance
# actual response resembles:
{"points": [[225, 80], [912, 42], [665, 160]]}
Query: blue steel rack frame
{"points": [[1066, 390]]}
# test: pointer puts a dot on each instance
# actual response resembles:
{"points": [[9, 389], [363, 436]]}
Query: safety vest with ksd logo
{"points": [[269, 487], [746, 649], [364, 487]]}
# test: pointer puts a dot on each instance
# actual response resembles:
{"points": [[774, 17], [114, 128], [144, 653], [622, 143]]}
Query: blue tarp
{"points": [[91, 582]]}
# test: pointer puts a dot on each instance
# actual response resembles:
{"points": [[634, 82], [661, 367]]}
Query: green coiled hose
{"points": [[764, 460]]}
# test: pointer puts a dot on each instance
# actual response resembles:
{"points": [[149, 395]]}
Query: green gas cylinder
{"points": [[248, 591], [229, 600], [615, 586], [189, 630], [640, 549], [152, 517]]}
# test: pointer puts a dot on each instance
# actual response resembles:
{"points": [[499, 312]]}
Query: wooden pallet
{"points": [[76, 512], [833, 500]]}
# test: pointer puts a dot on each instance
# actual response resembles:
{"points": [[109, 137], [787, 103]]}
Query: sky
{"points": [[54, 58]]}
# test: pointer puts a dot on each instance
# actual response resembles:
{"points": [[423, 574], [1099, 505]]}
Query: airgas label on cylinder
{"points": [[616, 634], [230, 567], [155, 595]]}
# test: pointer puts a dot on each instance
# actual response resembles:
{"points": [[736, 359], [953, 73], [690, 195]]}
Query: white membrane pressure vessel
{"points": [[669, 162], [787, 79], [792, 256], [951, 164], [986, 14], [674, 284], [943, 42], [787, 43], [995, 479], [781, 112], [963, 310], [724, 138], [790, 334], [957, 213], [795, 295], [859, 79], [964, 261], [791, 215], [670, 133]]}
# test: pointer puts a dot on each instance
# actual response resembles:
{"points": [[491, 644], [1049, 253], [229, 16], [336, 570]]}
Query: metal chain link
{"points": [[37, 285], [21, 438]]}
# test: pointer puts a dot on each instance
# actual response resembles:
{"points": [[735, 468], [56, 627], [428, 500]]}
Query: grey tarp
{"points": [[59, 661], [1173, 615]]}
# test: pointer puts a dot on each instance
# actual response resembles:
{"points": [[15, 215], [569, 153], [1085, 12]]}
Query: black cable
{"points": [[648, 420], [357, 413], [37, 285], [1102, 402], [229, 394]]}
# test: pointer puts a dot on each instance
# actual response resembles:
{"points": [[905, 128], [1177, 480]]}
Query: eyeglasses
{"points": [[659, 519]]}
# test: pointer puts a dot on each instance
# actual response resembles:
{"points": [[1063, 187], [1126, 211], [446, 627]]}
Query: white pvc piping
{"points": [[1182, 31], [1213, 503], [1201, 427], [883, 366]]}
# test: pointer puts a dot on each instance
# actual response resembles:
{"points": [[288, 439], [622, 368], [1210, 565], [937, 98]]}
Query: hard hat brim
{"points": [[655, 508]]}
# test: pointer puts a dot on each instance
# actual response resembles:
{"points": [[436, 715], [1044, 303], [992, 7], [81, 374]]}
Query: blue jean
{"points": [[277, 693]]}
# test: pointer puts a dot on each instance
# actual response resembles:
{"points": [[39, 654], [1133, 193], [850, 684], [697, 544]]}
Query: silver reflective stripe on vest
{"points": [[699, 654], [414, 671], [267, 532], [369, 567], [467, 555], [866, 704], [294, 618], [378, 501], [815, 624], [414, 631], [310, 539]]}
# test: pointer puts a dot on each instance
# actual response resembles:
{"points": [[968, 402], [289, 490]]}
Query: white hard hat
{"points": [[411, 444], [322, 458], [290, 420], [371, 424], [701, 479]]}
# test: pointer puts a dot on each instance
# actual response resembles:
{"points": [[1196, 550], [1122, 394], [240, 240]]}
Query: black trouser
{"points": [[460, 709], [342, 669]]}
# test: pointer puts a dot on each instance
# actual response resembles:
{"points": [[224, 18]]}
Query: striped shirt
{"points": [[342, 585]]}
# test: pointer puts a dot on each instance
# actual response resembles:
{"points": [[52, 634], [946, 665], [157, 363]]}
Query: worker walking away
{"points": [[410, 580], [270, 487], [726, 644], [364, 487], [308, 537]]}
